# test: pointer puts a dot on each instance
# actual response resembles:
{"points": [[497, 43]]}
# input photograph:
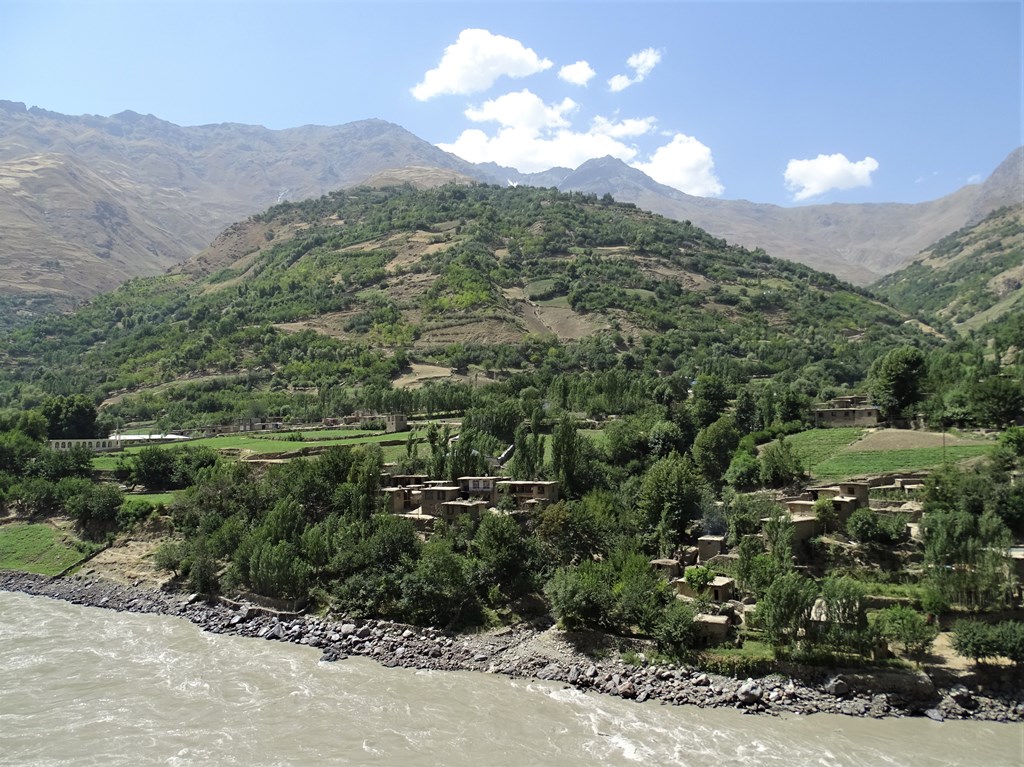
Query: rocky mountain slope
{"points": [[969, 278], [87, 202], [858, 242]]}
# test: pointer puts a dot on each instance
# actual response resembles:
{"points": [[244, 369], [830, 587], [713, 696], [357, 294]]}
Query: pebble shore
{"points": [[512, 651]]}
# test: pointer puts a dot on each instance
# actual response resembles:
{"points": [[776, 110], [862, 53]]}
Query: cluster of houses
{"points": [[714, 627], [424, 501]]}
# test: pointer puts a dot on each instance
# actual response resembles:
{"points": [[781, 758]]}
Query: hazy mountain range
{"points": [[87, 202]]}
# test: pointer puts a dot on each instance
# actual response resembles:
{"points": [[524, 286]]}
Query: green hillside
{"points": [[317, 307], [973, 279]]}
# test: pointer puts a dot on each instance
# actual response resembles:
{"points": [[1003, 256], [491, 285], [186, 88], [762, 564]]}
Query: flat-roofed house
{"points": [[450, 511], [528, 493], [432, 497], [853, 410], [479, 487]]}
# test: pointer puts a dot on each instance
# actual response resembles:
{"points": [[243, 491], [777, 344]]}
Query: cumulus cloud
{"points": [[633, 126], [684, 164], [530, 152], [579, 73], [475, 61], [523, 109], [809, 178], [641, 63]]}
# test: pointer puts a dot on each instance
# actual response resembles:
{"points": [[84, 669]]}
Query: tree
{"points": [[907, 627], [70, 417], [846, 623], [437, 592], [676, 633], [785, 609], [566, 456], [974, 640], [825, 512], [896, 380], [997, 401], [502, 553], [672, 494], [581, 597], [780, 466], [709, 400], [713, 449]]}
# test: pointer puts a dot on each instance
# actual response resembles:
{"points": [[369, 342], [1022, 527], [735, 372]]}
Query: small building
{"points": [[450, 511], [529, 493], [853, 410], [721, 589], [479, 487], [666, 568], [805, 525], [712, 629], [396, 422], [709, 546], [409, 480], [400, 500], [431, 498]]}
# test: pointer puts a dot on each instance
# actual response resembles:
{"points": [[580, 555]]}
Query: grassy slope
{"points": [[829, 454], [38, 549]]}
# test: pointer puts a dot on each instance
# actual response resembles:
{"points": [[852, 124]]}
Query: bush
{"points": [[676, 633], [900, 624], [865, 526]]}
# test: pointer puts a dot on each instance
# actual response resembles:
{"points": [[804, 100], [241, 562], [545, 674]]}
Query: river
{"points": [[86, 686]]}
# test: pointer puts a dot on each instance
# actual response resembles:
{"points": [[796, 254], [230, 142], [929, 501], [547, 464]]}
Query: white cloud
{"points": [[579, 73], [475, 61], [684, 164], [641, 63], [975, 178], [523, 109], [632, 126], [809, 178], [619, 83], [530, 151]]}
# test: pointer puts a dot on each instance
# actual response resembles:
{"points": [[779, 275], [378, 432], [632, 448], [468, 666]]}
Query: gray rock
{"points": [[749, 692], [837, 686], [347, 629], [701, 680]]}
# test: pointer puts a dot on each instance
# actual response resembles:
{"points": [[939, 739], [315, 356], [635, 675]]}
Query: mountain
{"points": [[857, 242], [89, 201], [970, 278], [359, 289]]}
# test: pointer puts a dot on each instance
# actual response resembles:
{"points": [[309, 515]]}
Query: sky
{"points": [[781, 102]]}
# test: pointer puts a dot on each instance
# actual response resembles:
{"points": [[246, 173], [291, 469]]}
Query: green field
{"points": [[816, 446], [854, 463], [280, 442], [153, 499], [39, 549]]}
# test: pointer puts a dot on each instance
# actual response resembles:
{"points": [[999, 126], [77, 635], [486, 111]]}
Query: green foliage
{"points": [[784, 612], [865, 526], [900, 624], [897, 380], [714, 447], [780, 466], [437, 592], [676, 632], [672, 494], [71, 417]]}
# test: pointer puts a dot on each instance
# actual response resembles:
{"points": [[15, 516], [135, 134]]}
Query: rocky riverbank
{"points": [[542, 653]]}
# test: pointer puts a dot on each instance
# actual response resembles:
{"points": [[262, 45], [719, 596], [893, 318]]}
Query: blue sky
{"points": [[781, 102]]}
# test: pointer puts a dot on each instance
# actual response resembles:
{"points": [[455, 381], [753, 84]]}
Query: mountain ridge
{"points": [[110, 198]]}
